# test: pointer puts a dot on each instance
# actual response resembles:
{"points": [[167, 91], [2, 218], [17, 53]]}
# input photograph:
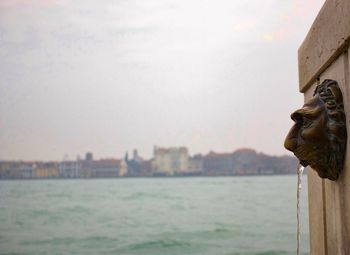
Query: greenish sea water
{"points": [[155, 216]]}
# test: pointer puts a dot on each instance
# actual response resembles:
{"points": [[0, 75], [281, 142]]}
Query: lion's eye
{"points": [[306, 122]]}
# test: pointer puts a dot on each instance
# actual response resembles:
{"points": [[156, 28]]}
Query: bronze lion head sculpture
{"points": [[318, 137]]}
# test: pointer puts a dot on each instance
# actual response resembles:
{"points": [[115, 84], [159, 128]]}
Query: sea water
{"points": [[154, 216]]}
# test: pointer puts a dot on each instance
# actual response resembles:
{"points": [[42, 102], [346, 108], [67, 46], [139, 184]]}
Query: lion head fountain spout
{"points": [[318, 137]]}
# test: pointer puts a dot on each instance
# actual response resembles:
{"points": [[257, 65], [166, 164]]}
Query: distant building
{"points": [[89, 156], [137, 166], [146, 168], [70, 169], [107, 168], [123, 168], [44, 170], [26, 169], [5, 169], [16, 169], [168, 161], [218, 163], [136, 157], [195, 164]]}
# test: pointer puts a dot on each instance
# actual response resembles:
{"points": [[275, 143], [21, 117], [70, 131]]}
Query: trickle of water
{"points": [[300, 171]]}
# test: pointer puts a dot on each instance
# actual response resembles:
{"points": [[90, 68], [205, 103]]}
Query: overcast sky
{"points": [[111, 76]]}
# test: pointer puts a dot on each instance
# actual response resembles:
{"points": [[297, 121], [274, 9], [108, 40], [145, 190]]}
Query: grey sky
{"points": [[110, 76]]}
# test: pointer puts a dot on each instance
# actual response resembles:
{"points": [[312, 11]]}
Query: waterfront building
{"points": [[70, 169], [105, 168], [146, 168], [89, 156], [134, 164], [45, 170], [169, 161], [136, 157], [196, 164], [137, 166], [16, 169], [218, 163], [26, 169], [123, 168], [5, 168]]}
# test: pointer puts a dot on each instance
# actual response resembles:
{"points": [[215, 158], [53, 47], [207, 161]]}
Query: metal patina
{"points": [[318, 137]]}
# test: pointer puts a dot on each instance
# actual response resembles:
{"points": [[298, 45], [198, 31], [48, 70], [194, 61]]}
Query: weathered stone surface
{"points": [[328, 37]]}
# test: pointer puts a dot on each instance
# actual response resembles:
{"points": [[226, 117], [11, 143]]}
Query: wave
{"points": [[72, 240], [157, 245]]}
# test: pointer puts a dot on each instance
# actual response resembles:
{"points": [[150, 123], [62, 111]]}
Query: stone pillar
{"points": [[324, 55]]}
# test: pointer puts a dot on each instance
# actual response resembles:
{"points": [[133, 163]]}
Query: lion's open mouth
{"points": [[303, 163]]}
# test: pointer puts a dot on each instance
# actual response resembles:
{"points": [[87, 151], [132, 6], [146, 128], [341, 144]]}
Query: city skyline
{"points": [[172, 161], [80, 155]]}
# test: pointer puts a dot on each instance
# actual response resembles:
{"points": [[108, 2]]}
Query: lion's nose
{"points": [[291, 141], [290, 144]]}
